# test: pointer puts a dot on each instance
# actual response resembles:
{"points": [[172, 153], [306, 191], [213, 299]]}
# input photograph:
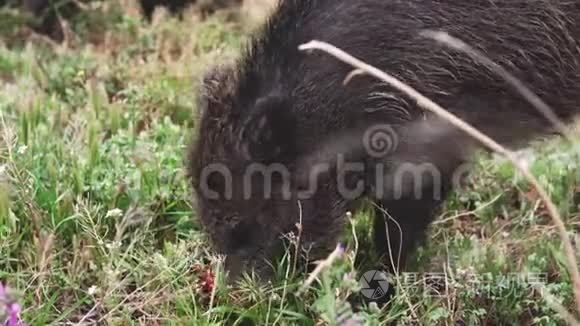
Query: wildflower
{"points": [[340, 249], [346, 317], [114, 213], [93, 290], [351, 322], [206, 281], [113, 245], [9, 308], [13, 314]]}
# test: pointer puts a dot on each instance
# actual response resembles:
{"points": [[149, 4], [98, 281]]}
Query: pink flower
{"points": [[9, 309], [14, 315]]}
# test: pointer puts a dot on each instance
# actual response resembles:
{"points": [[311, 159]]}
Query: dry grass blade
{"points": [[322, 265], [298, 240], [427, 104]]}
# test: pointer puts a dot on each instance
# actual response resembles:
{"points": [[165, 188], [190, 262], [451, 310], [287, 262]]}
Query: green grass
{"points": [[95, 215]]}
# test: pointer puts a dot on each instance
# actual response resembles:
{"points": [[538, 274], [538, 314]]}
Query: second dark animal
{"points": [[46, 13]]}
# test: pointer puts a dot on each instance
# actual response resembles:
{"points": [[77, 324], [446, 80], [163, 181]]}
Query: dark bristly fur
{"points": [[279, 105]]}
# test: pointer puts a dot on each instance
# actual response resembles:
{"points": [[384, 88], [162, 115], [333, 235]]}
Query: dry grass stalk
{"points": [[322, 265]]}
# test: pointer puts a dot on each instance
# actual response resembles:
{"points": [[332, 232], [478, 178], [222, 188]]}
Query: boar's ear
{"points": [[267, 135], [216, 89]]}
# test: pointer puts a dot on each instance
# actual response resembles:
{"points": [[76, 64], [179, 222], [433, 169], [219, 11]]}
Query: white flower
{"points": [[276, 297], [22, 149], [93, 290], [114, 213], [113, 245]]}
